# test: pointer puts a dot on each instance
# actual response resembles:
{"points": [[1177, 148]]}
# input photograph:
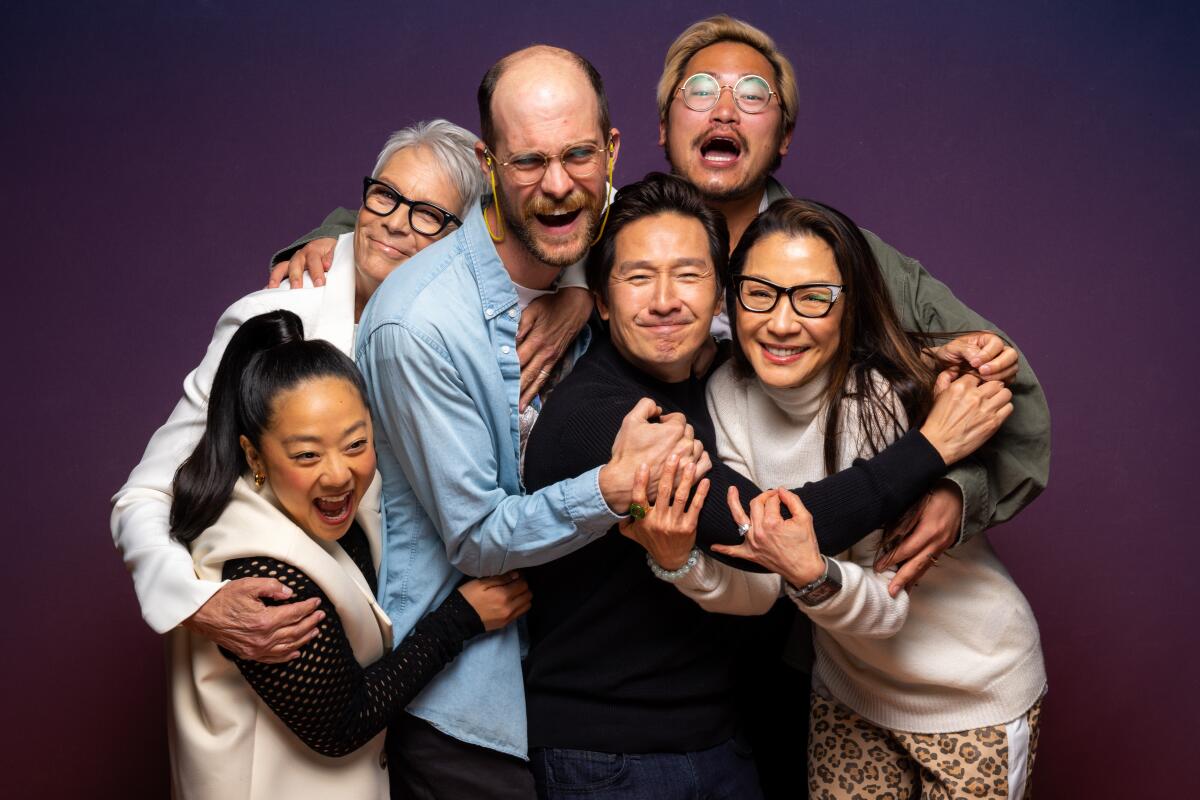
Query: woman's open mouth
{"points": [[334, 510]]}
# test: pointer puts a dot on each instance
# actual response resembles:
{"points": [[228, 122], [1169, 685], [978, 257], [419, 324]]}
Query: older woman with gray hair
{"points": [[423, 182]]}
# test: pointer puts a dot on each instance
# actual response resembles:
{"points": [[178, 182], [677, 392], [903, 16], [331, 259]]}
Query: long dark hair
{"points": [[872, 339], [267, 355]]}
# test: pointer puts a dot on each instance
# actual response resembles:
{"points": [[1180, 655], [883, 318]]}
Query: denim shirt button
{"points": [[504, 349], [487, 312], [512, 312]]}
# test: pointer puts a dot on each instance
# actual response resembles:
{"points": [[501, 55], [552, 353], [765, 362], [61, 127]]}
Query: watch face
{"points": [[820, 593]]}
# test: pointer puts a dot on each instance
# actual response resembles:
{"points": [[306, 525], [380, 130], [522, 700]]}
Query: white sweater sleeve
{"points": [[723, 589], [863, 607], [163, 576]]}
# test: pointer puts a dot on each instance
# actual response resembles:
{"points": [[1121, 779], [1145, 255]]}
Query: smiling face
{"points": [[785, 349], [662, 294], [383, 243], [725, 152], [545, 104], [317, 454]]}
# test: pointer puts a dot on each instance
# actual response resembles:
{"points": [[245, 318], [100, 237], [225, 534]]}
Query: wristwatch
{"points": [[820, 590]]}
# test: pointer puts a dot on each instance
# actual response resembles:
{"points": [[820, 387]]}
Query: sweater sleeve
{"points": [[164, 578], [723, 589], [845, 507], [863, 607], [325, 697], [339, 221]]}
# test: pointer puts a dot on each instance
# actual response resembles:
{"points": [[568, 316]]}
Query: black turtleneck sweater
{"points": [[620, 661]]}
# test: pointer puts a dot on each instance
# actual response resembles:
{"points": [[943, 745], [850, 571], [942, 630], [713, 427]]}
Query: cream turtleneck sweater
{"points": [[961, 652]]}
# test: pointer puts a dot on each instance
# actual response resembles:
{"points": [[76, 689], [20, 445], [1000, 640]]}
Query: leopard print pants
{"points": [[850, 758]]}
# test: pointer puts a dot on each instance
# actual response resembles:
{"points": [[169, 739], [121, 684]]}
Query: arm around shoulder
{"points": [[339, 221], [1012, 469], [164, 579]]}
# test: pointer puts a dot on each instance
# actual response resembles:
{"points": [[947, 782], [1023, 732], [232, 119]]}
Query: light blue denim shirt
{"points": [[437, 344]]}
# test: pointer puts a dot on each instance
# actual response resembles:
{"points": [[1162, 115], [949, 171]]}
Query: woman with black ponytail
{"points": [[424, 182], [282, 485]]}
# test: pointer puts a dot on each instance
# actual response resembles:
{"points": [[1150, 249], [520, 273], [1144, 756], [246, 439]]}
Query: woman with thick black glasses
{"points": [[424, 178], [939, 689]]}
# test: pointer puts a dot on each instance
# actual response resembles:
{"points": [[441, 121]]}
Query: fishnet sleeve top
{"points": [[324, 697]]}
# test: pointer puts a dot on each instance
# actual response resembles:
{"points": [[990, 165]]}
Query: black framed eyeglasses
{"points": [[579, 161], [425, 218], [811, 300], [700, 92]]}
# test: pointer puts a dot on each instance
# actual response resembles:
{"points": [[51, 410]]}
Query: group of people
{"points": [[701, 439]]}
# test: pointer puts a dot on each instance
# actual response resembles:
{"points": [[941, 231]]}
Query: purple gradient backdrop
{"points": [[1041, 159]]}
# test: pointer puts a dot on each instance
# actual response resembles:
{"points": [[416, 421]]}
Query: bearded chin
{"points": [[519, 225]]}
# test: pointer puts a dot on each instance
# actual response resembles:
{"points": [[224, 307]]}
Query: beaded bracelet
{"points": [[672, 575]]}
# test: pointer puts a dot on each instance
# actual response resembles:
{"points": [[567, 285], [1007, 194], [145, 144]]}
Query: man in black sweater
{"points": [[631, 688]]}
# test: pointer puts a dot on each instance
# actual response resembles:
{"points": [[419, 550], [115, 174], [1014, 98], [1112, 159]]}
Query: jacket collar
{"points": [[336, 321], [775, 190]]}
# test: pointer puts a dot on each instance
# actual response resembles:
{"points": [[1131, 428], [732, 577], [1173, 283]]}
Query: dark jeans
{"points": [[426, 764], [724, 772]]}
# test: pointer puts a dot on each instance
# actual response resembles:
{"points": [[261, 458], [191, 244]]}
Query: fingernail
{"points": [[287, 590], [320, 615]]}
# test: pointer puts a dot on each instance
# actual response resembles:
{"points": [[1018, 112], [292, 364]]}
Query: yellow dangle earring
{"points": [[607, 195], [495, 205]]}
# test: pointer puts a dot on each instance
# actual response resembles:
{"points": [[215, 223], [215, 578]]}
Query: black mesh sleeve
{"points": [[330, 702]]}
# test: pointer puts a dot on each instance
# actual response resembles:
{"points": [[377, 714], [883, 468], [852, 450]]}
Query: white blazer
{"points": [[226, 744], [163, 576]]}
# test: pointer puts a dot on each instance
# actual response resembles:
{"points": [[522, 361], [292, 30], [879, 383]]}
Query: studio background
{"points": [[1040, 158]]}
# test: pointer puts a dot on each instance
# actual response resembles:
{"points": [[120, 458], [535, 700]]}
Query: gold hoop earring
{"points": [[259, 479], [495, 205]]}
